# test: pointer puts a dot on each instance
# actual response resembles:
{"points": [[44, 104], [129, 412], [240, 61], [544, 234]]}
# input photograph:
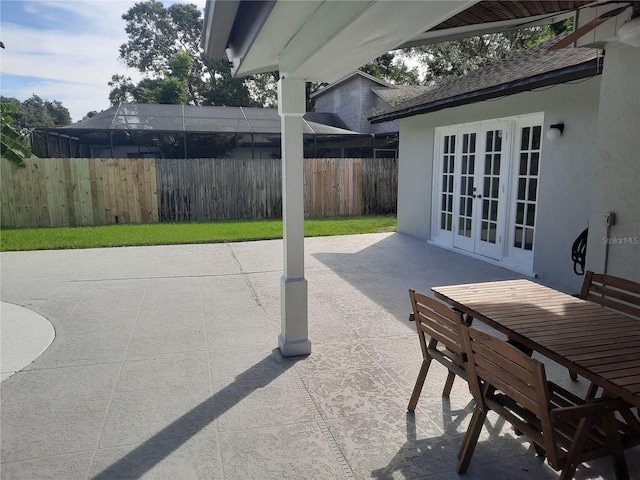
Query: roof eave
{"points": [[574, 72], [219, 17]]}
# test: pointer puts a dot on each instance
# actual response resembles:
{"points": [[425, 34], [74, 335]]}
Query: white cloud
{"points": [[73, 62]]}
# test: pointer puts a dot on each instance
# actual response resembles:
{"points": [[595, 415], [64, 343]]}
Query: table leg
{"points": [[615, 446]]}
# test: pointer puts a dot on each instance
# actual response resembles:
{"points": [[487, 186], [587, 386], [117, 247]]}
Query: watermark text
{"points": [[621, 240]]}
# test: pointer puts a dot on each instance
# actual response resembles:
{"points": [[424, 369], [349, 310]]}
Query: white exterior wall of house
{"points": [[616, 182], [564, 179]]}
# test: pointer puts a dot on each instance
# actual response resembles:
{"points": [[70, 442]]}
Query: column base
{"points": [[293, 348], [294, 331]]}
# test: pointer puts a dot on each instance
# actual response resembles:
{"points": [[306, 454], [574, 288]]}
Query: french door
{"points": [[486, 188], [479, 189]]}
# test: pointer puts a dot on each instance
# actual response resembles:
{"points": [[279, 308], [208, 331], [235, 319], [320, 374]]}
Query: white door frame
{"points": [[501, 214]]}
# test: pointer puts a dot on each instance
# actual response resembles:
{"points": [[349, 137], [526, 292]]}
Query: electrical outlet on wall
{"points": [[609, 219]]}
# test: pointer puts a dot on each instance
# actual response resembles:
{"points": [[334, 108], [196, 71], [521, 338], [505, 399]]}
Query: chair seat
{"points": [[561, 400]]}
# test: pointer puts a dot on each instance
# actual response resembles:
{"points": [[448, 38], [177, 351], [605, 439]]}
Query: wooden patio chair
{"points": [[514, 385], [442, 325], [612, 292]]}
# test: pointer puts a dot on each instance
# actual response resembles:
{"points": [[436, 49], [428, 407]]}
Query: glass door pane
{"points": [[527, 187], [448, 171], [466, 192], [491, 195]]}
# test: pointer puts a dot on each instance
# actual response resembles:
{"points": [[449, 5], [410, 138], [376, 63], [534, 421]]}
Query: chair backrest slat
{"points": [[613, 292], [438, 321], [507, 369]]}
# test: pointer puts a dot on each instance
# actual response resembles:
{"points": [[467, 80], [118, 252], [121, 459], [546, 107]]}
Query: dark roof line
{"points": [[520, 71], [197, 119], [347, 77], [574, 72]]}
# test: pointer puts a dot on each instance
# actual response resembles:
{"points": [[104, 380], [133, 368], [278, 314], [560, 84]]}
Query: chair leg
{"points": [[417, 389], [448, 384], [571, 461], [470, 440]]}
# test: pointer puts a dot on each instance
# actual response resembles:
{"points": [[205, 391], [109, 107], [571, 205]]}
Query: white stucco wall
{"points": [[565, 172], [616, 182], [415, 176]]}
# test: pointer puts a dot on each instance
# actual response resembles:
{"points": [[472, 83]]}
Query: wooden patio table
{"points": [[600, 344]]}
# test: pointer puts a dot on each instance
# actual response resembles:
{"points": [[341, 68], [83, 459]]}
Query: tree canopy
{"points": [[160, 37], [452, 59], [13, 146], [35, 112], [392, 68], [164, 45]]}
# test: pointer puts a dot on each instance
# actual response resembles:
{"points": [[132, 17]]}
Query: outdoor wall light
{"points": [[555, 131]]}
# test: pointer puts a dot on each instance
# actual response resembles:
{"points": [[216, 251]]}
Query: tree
{"points": [[392, 69], [58, 113], [156, 34], [89, 115], [456, 58], [172, 88], [263, 89], [159, 36], [225, 90], [13, 146], [35, 112]]}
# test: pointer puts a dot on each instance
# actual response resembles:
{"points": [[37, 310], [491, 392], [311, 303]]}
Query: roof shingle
{"points": [[525, 70]]}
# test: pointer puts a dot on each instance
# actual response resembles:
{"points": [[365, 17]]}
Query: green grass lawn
{"points": [[12, 239]]}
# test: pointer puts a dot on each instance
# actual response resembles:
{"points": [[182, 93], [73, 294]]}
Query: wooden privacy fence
{"points": [[98, 191], [350, 186], [60, 192], [218, 189]]}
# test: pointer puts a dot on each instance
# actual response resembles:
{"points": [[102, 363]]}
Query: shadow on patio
{"points": [[145, 457], [163, 366]]}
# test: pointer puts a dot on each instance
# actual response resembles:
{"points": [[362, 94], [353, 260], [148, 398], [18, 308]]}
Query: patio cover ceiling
{"points": [[319, 40]]}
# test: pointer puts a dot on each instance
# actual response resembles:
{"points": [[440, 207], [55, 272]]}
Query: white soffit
{"points": [[218, 15], [282, 23], [322, 41], [437, 36], [604, 33]]}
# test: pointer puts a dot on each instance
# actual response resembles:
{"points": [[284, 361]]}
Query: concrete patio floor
{"points": [[165, 366]]}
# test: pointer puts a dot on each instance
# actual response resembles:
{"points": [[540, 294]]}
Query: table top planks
{"points": [[599, 344]]}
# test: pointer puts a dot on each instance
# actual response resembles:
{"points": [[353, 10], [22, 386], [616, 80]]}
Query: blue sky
{"points": [[65, 50]]}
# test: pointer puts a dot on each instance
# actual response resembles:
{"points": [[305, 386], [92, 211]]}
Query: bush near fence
{"points": [[98, 191]]}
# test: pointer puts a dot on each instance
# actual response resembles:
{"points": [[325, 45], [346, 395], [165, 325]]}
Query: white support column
{"points": [[294, 330]]}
